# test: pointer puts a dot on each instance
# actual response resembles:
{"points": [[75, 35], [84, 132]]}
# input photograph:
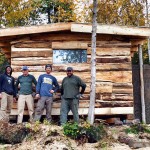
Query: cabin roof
{"points": [[138, 32]]}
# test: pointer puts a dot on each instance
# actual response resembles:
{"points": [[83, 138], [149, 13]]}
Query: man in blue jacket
{"points": [[7, 93], [46, 86]]}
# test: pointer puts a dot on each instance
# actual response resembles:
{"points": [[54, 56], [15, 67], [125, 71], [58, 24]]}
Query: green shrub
{"points": [[71, 130], [85, 132]]}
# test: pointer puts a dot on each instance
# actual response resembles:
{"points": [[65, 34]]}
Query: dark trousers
{"points": [[66, 106], [44, 102]]}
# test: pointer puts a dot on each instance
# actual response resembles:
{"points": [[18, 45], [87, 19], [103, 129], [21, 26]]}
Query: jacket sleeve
{"points": [[38, 85], [14, 88], [34, 81], [61, 88], [16, 85], [83, 86], [1, 82], [56, 88]]}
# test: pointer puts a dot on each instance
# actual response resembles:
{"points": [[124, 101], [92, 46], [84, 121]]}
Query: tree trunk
{"points": [[142, 83], [148, 25], [93, 65]]}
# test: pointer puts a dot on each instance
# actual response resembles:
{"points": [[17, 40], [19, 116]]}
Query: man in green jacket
{"points": [[25, 93], [70, 91]]}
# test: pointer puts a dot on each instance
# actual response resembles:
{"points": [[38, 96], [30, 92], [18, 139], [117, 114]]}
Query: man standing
{"points": [[25, 94], [70, 91], [46, 86], [7, 93]]}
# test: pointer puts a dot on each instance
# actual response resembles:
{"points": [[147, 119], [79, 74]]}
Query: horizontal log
{"points": [[109, 94], [83, 67], [70, 37], [40, 68], [30, 59], [115, 97], [70, 45], [20, 40], [47, 53], [28, 63], [113, 67], [61, 37], [115, 103], [122, 91], [84, 111], [13, 49], [82, 104], [111, 59], [112, 76], [104, 87], [34, 44], [85, 104], [123, 88], [102, 39], [57, 67], [124, 85], [112, 51]]}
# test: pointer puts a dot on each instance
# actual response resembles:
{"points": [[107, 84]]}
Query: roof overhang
{"points": [[76, 27], [112, 29]]}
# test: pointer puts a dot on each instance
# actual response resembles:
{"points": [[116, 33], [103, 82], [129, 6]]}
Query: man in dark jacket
{"points": [[71, 95], [7, 93]]}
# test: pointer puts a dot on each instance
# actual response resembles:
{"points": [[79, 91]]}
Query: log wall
{"points": [[114, 87]]}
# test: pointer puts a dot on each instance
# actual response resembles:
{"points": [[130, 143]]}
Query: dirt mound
{"points": [[51, 137]]}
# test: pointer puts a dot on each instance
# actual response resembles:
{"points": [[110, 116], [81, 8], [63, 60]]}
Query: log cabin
{"points": [[69, 44]]}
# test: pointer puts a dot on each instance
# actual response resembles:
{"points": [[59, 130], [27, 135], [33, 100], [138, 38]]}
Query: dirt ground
{"points": [[43, 139]]}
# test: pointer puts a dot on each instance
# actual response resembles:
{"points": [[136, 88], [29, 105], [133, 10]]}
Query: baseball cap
{"points": [[48, 66], [69, 69], [25, 68]]}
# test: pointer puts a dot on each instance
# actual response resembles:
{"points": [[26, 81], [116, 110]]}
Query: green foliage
{"points": [[71, 130], [3, 63], [84, 133], [136, 129], [133, 129], [33, 127], [46, 122]]}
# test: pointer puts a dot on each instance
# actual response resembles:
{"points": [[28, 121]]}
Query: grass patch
{"points": [[136, 129]]}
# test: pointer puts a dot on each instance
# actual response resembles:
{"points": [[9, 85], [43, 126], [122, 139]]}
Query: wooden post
{"points": [[142, 83], [91, 111]]}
